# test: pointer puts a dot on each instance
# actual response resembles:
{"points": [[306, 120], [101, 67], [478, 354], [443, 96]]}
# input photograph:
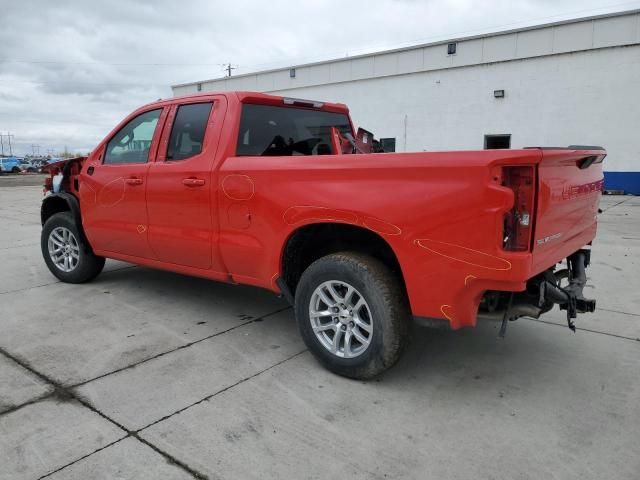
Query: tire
{"points": [[15, 170], [82, 265], [383, 320]]}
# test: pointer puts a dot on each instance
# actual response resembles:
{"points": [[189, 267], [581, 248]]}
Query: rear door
{"points": [[112, 187], [182, 208]]}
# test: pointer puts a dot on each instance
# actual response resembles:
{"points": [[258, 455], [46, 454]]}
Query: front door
{"points": [[181, 189], [112, 188]]}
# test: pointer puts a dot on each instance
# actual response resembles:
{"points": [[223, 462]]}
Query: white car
{"points": [[27, 166]]}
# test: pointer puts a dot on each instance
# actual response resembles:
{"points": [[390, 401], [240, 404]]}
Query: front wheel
{"points": [[66, 253], [353, 315]]}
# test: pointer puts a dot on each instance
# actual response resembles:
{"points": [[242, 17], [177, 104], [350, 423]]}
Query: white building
{"points": [[557, 84]]}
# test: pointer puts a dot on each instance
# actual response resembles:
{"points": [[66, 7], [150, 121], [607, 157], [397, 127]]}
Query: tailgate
{"points": [[570, 183]]}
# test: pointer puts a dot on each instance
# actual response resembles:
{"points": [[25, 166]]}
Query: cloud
{"points": [[69, 71]]}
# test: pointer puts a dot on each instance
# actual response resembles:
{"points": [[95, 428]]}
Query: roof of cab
{"points": [[249, 97]]}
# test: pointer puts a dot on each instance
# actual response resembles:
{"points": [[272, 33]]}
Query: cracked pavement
{"points": [[148, 374]]}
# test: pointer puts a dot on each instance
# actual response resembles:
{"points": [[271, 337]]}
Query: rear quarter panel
{"points": [[440, 212]]}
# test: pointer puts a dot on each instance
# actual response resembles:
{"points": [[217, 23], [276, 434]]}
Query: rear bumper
{"points": [[563, 288]]}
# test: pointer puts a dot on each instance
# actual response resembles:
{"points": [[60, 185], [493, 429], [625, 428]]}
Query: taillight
{"points": [[518, 222]]}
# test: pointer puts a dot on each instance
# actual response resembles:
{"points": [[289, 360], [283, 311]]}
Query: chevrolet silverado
{"points": [[284, 194]]}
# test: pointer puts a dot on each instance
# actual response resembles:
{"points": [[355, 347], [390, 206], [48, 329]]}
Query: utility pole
{"points": [[9, 137], [229, 68]]}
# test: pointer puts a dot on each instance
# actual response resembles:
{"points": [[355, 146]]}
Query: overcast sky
{"points": [[72, 69]]}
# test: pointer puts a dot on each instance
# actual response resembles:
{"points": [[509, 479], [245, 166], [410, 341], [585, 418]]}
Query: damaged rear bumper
{"points": [[563, 287]]}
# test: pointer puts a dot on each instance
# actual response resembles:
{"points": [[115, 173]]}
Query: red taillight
{"points": [[518, 222]]}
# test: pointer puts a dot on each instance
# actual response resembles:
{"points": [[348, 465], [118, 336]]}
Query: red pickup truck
{"points": [[284, 194]]}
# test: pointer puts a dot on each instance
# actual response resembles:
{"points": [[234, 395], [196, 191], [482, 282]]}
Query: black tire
{"points": [[15, 170], [88, 265], [384, 294]]}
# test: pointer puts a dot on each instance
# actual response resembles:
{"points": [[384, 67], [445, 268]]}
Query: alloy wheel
{"points": [[64, 250], [341, 319]]}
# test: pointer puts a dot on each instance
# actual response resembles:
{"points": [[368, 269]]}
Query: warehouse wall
{"points": [[589, 97], [621, 29], [568, 83]]}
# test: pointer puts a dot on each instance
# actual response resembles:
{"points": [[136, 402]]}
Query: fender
{"points": [[63, 202]]}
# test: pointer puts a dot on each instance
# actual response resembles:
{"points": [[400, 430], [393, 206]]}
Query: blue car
{"points": [[9, 165]]}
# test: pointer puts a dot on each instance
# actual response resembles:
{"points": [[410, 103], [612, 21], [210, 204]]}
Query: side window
{"points": [[187, 133], [132, 142], [283, 131]]}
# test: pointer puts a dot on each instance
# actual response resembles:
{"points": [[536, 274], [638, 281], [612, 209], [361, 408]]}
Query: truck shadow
{"points": [[462, 359], [191, 293]]}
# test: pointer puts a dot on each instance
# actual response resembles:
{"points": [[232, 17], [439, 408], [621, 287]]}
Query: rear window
{"points": [[283, 131]]}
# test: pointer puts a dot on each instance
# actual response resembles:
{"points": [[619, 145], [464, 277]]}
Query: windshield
{"points": [[283, 131]]}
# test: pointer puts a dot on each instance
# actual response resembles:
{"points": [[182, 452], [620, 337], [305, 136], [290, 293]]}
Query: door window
{"points": [[187, 133], [132, 142]]}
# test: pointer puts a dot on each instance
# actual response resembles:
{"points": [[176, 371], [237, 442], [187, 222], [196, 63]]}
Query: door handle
{"points": [[134, 181], [193, 182]]}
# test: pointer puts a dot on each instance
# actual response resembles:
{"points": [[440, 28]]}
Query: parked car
{"points": [[9, 165], [39, 163], [281, 193], [27, 166], [42, 163]]}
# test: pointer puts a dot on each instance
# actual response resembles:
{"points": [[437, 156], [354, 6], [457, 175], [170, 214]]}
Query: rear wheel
{"points": [[66, 253], [352, 314]]}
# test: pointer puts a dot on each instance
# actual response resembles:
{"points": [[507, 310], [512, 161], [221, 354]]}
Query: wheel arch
{"points": [[59, 202], [63, 202], [309, 242]]}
